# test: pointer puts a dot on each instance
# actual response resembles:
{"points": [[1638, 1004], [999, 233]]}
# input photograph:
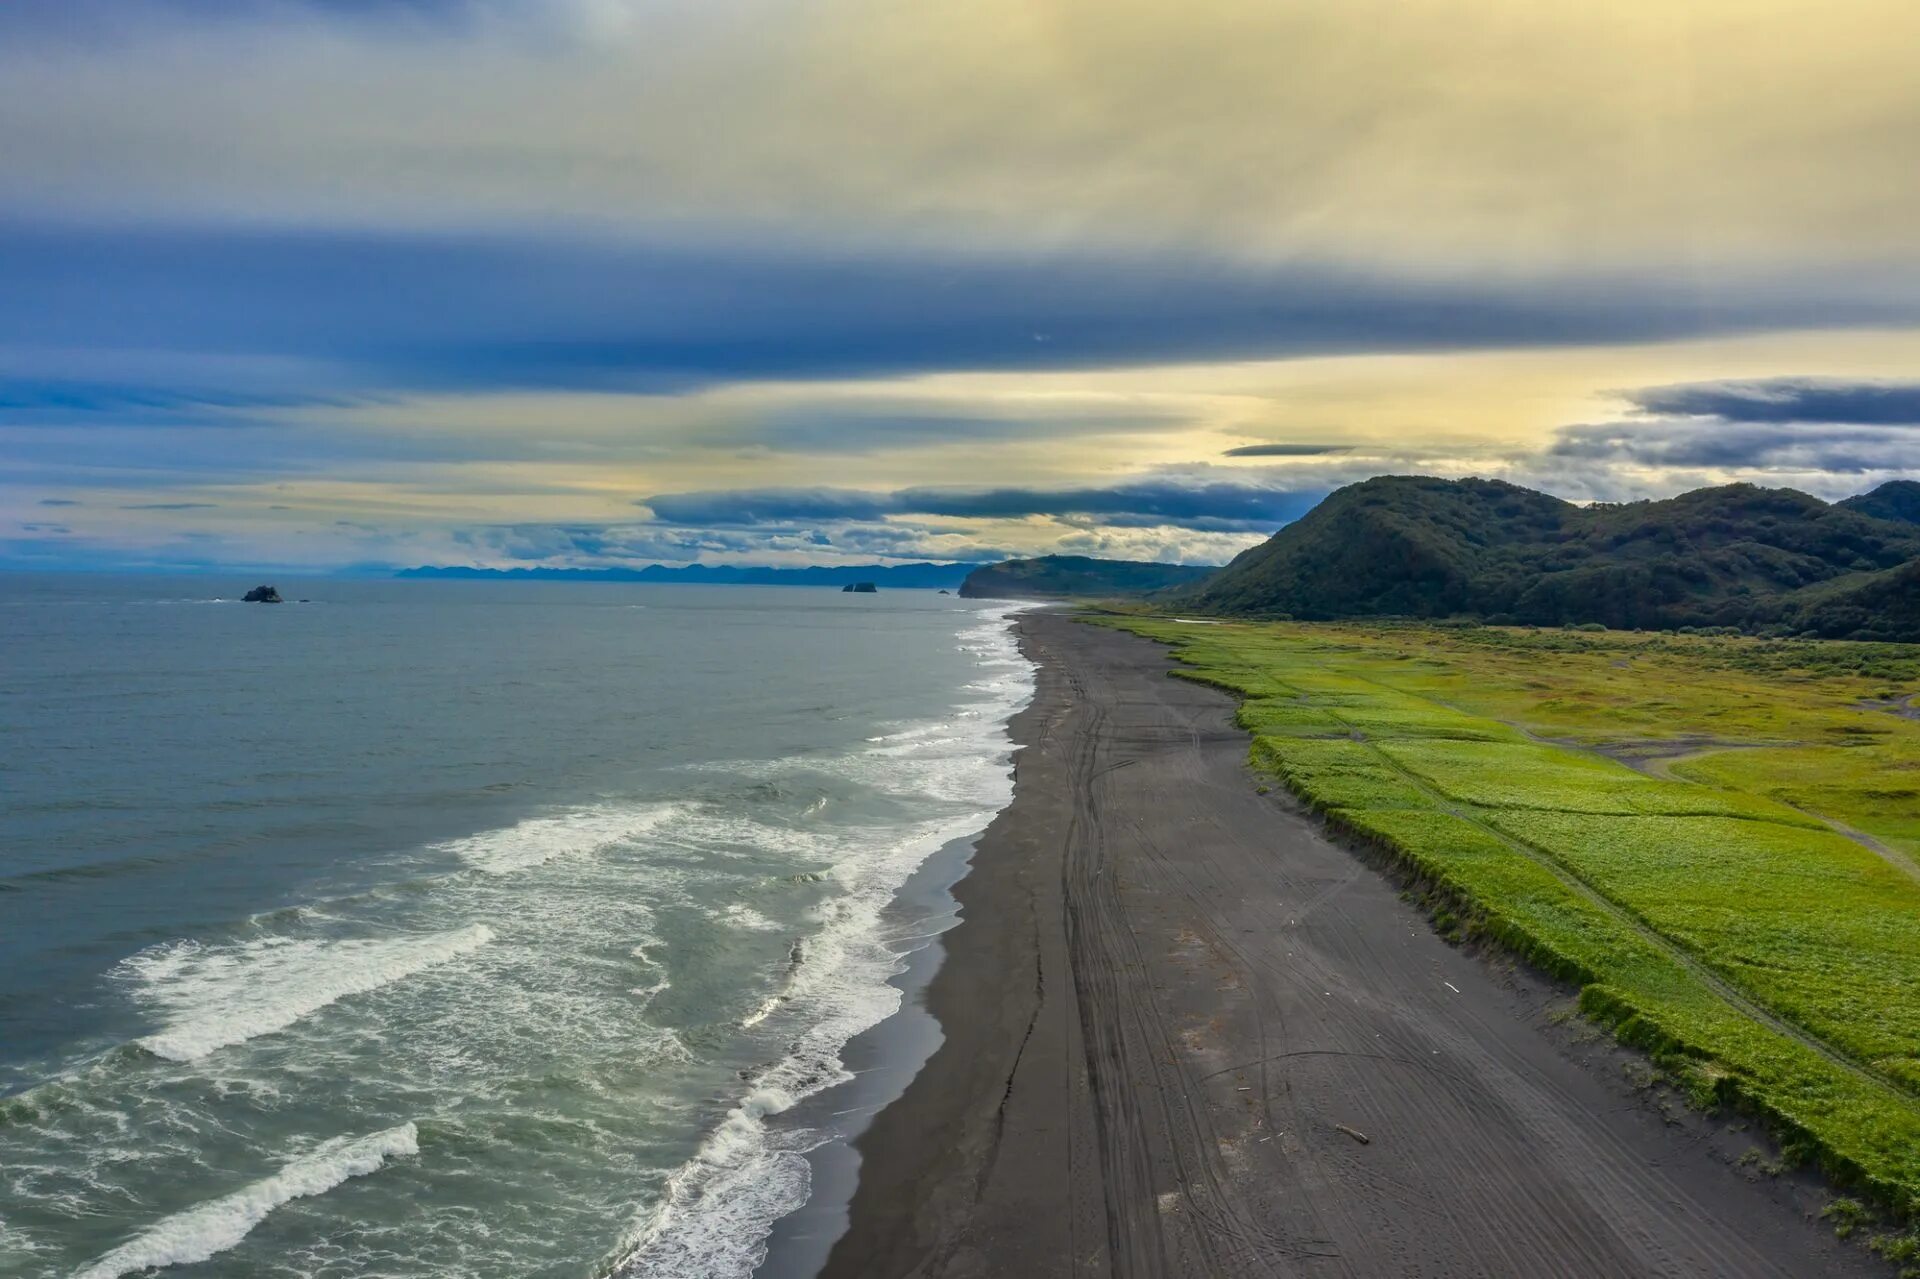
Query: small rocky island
{"points": [[860, 588], [262, 595]]}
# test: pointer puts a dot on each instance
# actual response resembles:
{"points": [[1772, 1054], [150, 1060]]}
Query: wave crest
{"points": [[214, 1227], [214, 997]]}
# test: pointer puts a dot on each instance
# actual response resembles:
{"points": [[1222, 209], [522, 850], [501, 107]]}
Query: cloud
{"points": [[1211, 505], [1686, 136], [170, 506], [1713, 444], [81, 402], [1797, 426], [324, 316], [112, 23], [644, 543], [1786, 400], [1286, 450], [44, 394], [601, 545], [56, 501], [746, 507]]}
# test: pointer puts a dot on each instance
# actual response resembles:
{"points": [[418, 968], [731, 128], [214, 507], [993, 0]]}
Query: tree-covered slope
{"points": [[1862, 606], [1894, 500], [1413, 546], [1051, 576]]}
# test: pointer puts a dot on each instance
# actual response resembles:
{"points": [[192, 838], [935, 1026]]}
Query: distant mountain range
{"points": [[1056, 576], [921, 576], [1739, 555]]}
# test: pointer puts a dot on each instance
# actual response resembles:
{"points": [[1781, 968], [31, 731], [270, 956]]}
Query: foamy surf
{"points": [[541, 839], [706, 878], [717, 1211], [213, 1228], [719, 1206], [219, 996]]}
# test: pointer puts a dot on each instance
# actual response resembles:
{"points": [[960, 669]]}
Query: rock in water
{"points": [[262, 595], [861, 588]]}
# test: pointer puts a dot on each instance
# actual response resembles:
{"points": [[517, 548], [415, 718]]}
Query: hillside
{"points": [[1862, 606], [1894, 500], [1739, 555], [1057, 576]]}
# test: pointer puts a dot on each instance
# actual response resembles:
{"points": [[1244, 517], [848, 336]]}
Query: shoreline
{"points": [[885, 1058], [883, 1061], [1181, 1032]]}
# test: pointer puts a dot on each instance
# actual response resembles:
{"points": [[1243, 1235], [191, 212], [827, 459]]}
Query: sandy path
{"points": [[1172, 1003]]}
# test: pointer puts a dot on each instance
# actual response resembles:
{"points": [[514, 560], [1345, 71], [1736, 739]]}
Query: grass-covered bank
{"points": [[1713, 838]]}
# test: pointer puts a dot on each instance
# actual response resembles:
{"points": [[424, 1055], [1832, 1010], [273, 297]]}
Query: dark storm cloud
{"points": [[1218, 506], [1286, 450], [79, 402], [1719, 445], [1791, 423], [99, 22], [769, 506], [1163, 501], [1787, 400], [470, 312]]}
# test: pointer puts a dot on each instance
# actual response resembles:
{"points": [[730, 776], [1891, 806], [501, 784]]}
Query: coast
{"points": [[1186, 1034]]}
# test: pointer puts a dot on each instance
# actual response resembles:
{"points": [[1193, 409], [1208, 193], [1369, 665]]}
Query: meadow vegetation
{"points": [[1714, 837]]}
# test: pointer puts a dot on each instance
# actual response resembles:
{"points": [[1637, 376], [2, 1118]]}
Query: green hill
{"points": [[1862, 606], [1739, 555], [1894, 500], [1057, 576]]}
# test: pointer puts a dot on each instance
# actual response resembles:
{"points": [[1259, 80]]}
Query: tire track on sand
{"points": [[1217, 986]]}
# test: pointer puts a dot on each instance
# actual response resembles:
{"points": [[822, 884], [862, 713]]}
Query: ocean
{"points": [[461, 928]]}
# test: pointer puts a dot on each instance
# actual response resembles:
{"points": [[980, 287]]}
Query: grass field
{"points": [[1715, 838]]}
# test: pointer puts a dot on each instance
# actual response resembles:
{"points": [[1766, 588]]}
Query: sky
{"points": [[349, 285]]}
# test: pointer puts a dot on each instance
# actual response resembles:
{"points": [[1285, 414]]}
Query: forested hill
{"points": [[1894, 500], [1052, 576], [1739, 555]]}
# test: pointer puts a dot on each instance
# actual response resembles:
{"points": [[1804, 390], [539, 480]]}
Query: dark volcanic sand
{"points": [[1169, 991]]}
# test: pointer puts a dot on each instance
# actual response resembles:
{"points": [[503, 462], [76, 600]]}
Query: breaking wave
{"points": [[214, 1227], [216, 996]]}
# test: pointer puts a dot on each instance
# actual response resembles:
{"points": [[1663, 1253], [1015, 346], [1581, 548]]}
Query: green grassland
{"points": [[1714, 837]]}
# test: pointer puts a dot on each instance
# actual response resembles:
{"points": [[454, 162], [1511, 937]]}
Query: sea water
{"points": [[449, 928]]}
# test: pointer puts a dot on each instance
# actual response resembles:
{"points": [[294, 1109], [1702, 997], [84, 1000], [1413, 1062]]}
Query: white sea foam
{"points": [[214, 1227], [764, 1011], [718, 1207], [541, 839], [14, 1243], [212, 997], [717, 1210], [741, 915], [608, 920]]}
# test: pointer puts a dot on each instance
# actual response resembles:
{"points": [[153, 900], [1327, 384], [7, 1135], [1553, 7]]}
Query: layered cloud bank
{"points": [[329, 283]]}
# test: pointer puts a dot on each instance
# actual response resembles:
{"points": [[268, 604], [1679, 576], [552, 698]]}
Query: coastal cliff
{"points": [[1068, 576]]}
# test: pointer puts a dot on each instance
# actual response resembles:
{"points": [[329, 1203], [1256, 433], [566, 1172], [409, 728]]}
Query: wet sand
{"points": [[1185, 1034]]}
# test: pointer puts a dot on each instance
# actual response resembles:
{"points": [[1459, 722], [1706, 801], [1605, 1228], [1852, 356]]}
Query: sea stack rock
{"points": [[262, 595], [860, 588]]}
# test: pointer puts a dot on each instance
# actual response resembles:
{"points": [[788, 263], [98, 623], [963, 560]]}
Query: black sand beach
{"points": [[1188, 1035]]}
